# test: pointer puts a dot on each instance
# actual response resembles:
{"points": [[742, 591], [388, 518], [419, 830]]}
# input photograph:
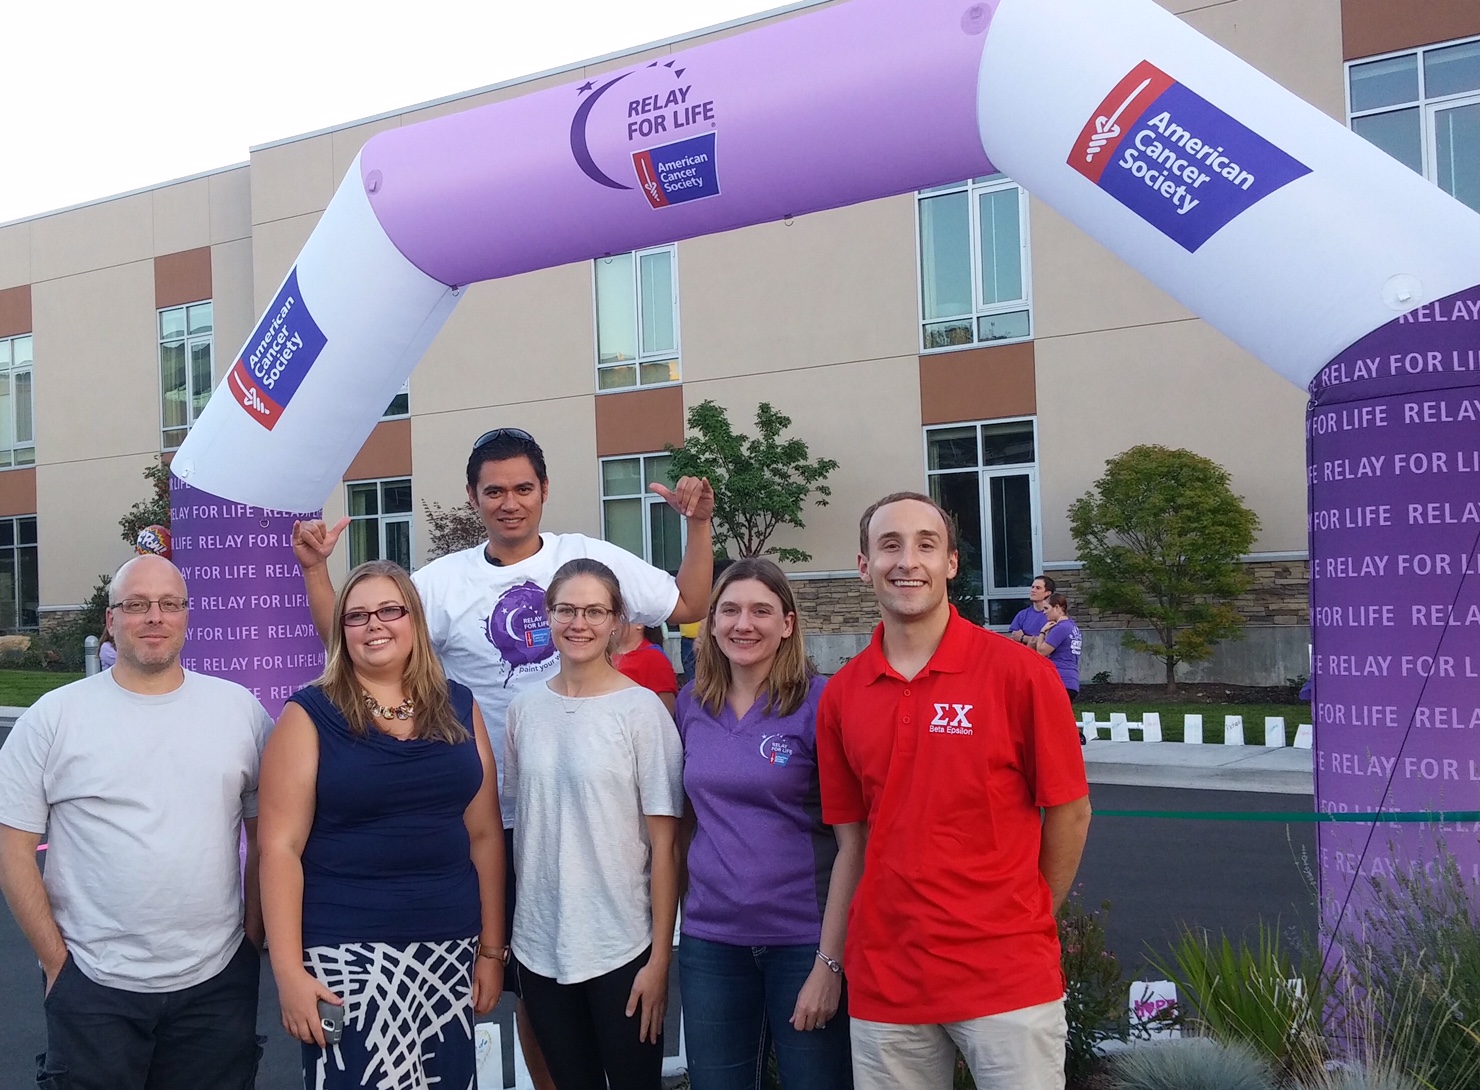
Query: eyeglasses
{"points": [[503, 433], [137, 607], [358, 618], [565, 613]]}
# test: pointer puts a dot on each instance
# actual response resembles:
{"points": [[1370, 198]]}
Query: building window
{"points": [[400, 404], [17, 425], [636, 519], [637, 319], [20, 585], [974, 283], [986, 475], [1422, 107], [380, 521], [185, 376]]}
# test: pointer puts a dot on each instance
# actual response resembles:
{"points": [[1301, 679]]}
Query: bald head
{"points": [[149, 568]]}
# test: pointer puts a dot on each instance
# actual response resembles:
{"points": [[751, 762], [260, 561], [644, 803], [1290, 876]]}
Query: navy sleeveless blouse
{"points": [[388, 857]]}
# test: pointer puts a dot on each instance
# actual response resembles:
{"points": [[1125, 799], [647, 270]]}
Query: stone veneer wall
{"points": [[1278, 595], [841, 604]]}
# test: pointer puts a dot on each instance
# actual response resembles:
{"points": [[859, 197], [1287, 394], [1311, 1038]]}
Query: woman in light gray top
{"points": [[595, 764]]}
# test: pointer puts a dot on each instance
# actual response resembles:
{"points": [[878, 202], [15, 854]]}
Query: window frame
{"points": [[404, 391], [1426, 106], [648, 499], [984, 474], [8, 376], [14, 550], [190, 394], [974, 188], [382, 519], [641, 358]]}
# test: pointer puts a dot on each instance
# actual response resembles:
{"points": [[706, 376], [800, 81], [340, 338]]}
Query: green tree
{"points": [[759, 483], [452, 529], [154, 511], [1160, 536]]}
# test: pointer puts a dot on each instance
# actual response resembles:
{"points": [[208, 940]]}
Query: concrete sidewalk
{"points": [[1281, 771]]}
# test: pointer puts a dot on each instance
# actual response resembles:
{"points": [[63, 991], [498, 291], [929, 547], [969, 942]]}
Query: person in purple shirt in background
{"points": [[1030, 621], [1061, 642], [760, 958]]}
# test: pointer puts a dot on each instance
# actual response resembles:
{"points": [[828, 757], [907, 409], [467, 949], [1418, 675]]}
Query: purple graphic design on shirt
{"points": [[519, 628]]}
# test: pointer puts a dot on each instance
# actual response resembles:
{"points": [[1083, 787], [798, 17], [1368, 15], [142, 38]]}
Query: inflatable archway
{"points": [[1330, 261]]}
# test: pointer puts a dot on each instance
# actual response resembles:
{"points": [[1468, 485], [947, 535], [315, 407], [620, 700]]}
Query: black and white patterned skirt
{"points": [[408, 1016]]}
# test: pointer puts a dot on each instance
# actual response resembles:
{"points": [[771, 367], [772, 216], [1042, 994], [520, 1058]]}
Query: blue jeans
{"points": [[737, 1000]]}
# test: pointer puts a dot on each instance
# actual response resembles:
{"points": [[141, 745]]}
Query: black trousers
{"points": [[583, 1029], [199, 1038]]}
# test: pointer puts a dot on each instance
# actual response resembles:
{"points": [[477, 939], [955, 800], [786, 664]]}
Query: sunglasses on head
{"points": [[502, 433]]}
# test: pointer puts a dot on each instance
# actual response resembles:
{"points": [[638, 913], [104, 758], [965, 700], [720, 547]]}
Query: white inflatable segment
{"points": [[344, 330], [1311, 242]]}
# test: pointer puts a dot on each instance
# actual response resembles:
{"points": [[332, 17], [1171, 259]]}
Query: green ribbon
{"points": [[1298, 816]]}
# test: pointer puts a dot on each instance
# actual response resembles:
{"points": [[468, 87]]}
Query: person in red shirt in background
{"points": [[641, 657], [960, 751]]}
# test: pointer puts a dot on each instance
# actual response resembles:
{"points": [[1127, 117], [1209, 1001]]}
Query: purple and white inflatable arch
{"points": [[1333, 263]]}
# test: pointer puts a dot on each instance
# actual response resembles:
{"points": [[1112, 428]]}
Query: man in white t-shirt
{"points": [[485, 606], [142, 778]]}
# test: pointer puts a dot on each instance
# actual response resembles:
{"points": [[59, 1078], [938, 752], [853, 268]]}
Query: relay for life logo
{"points": [[283, 347], [657, 120], [1176, 160]]}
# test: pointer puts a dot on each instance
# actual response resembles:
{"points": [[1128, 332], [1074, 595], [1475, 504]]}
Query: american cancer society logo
{"points": [[272, 366], [678, 172], [1175, 159]]}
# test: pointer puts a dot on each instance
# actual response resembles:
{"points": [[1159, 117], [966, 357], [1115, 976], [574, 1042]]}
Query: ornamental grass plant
{"points": [[1193, 1063], [1256, 995]]}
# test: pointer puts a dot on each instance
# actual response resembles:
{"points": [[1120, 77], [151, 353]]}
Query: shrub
{"points": [[1410, 978], [1253, 995], [1193, 1063], [1095, 1002]]}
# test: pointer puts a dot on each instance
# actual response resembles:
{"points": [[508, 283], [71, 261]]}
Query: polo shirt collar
{"points": [[951, 656]]}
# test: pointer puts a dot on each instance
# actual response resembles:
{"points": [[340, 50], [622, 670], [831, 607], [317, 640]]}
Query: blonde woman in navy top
{"points": [[383, 852], [760, 957]]}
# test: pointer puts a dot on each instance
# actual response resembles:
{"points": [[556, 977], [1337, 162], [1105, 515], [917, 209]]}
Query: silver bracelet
{"points": [[832, 963]]}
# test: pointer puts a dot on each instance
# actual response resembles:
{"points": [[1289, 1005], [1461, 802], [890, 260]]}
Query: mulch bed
{"points": [[1188, 692]]}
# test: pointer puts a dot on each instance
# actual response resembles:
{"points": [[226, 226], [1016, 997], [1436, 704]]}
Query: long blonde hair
{"points": [[785, 688], [423, 680]]}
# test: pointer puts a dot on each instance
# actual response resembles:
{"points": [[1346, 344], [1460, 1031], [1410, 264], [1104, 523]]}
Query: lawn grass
{"points": [[22, 688], [1172, 718]]}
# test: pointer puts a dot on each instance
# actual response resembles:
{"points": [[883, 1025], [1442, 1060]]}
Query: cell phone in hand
{"points": [[331, 1021]]}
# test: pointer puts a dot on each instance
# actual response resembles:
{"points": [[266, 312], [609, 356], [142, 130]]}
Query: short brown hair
{"points": [[1059, 600], [895, 497]]}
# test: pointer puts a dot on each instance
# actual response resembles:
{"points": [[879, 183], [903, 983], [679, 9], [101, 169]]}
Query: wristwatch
{"points": [[501, 953], [832, 963]]}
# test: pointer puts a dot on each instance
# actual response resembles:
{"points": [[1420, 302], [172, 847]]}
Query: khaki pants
{"points": [[1015, 1050]]}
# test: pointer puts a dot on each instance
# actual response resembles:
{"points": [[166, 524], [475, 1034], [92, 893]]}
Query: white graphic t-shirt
{"points": [[488, 621]]}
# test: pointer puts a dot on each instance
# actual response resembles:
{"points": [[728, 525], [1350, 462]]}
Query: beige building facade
{"points": [[966, 340]]}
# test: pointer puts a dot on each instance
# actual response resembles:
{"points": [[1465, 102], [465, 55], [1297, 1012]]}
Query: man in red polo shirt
{"points": [[959, 749]]}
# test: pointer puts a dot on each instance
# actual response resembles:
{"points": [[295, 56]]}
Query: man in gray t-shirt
{"points": [[142, 778]]}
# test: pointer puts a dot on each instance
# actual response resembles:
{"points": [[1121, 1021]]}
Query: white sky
{"points": [[101, 99]]}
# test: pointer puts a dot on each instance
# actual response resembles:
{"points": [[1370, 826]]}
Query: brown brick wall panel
{"points": [[978, 384], [183, 277], [1369, 27], [15, 311], [638, 421], [17, 492], [387, 453]]}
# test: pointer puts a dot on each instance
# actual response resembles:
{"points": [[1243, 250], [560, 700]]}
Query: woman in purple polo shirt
{"points": [[760, 959], [1060, 642]]}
